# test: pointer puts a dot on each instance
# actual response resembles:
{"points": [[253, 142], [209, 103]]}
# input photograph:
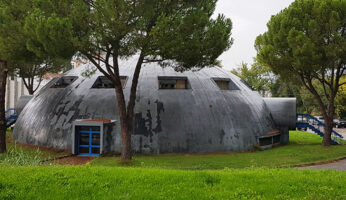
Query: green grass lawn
{"points": [[250, 175], [303, 148], [90, 182]]}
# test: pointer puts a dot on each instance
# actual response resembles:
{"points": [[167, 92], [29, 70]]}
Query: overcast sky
{"points": [[249, 19]]}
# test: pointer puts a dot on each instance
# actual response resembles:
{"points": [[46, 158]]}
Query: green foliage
{"points": [[12, 38], [340, 101], [191, 38], [311, 105], [180, 31], [266, 82], [307, 37], [258, 76], [303, 148], [307, 42], [86, 182], [15, 46], [89, 72]]}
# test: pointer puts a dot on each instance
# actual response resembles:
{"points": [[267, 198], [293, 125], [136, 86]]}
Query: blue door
{"points": [[89, 141]]}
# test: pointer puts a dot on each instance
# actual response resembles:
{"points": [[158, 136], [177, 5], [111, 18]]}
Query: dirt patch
{"points": [[72, 160], [45, 148], [10, 140]]}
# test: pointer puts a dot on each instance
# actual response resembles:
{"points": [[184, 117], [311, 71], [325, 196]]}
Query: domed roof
{"points": [[214, 110]]}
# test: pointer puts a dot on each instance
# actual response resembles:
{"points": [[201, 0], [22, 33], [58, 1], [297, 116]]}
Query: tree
{"points": [[307, 41], [180, 33], [310, 103], [31, 70], [15, 56], [258, 76], [340, 101], [12, 45]]}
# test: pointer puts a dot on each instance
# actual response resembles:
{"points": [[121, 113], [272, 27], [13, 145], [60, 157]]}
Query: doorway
{"points": [[88, 140]]}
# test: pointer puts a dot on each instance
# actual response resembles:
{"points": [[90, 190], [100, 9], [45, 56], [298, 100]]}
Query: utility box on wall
{"points": [[88, 136]]}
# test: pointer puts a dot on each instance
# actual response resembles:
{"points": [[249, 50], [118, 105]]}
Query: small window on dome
{"points": [[225, 84], [104, 82], [171, 82], [64, 81]]}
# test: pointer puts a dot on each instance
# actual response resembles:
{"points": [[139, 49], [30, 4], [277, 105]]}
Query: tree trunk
{"points": [[126, 154], [328, 121], [3, 79], [29, 86], [31, 91], [127, 113], [327, 138], [327, 112]]}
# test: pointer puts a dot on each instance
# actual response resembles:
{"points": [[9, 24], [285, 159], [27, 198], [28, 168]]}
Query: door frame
{"points": [[75, 134], [90, 146]]}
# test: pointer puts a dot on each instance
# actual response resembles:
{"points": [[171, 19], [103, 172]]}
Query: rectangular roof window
{"points": [[64, 81], [104, 82], [173, 82], [225, 84]]}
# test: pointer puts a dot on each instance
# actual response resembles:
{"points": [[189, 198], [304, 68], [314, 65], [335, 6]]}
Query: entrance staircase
{"points": [[307, 121]]}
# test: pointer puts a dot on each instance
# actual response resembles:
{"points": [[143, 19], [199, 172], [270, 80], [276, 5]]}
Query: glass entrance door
{"points": [[89, 141]]}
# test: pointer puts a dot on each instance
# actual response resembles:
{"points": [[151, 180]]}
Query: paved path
{"points": [[342, 131], [338, 165]]}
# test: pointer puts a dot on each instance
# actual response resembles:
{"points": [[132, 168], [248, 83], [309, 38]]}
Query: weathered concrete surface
{"points": [[21, 103], [196, 120], [283, 112], [338, 165]]}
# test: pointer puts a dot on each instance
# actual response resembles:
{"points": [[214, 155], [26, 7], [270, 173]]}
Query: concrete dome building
{"points": [[210, 110]]}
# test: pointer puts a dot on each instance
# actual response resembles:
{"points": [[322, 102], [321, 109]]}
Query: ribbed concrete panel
{"points": [[21, 103]]}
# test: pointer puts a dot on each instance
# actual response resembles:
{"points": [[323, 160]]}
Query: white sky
{"points": [[249, 18]]}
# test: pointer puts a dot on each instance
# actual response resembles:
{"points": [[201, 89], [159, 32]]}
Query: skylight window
{"points": [[172, 82], [225, 84], [104, 82], [64, 81]]}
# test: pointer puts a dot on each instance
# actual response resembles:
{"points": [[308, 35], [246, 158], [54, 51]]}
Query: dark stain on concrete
{"points": [[159, 108], [141, 127], [222, 135]]}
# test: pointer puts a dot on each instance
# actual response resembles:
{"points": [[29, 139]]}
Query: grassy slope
{"points": [[304, 148], [61, 182], [26, 155]]}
